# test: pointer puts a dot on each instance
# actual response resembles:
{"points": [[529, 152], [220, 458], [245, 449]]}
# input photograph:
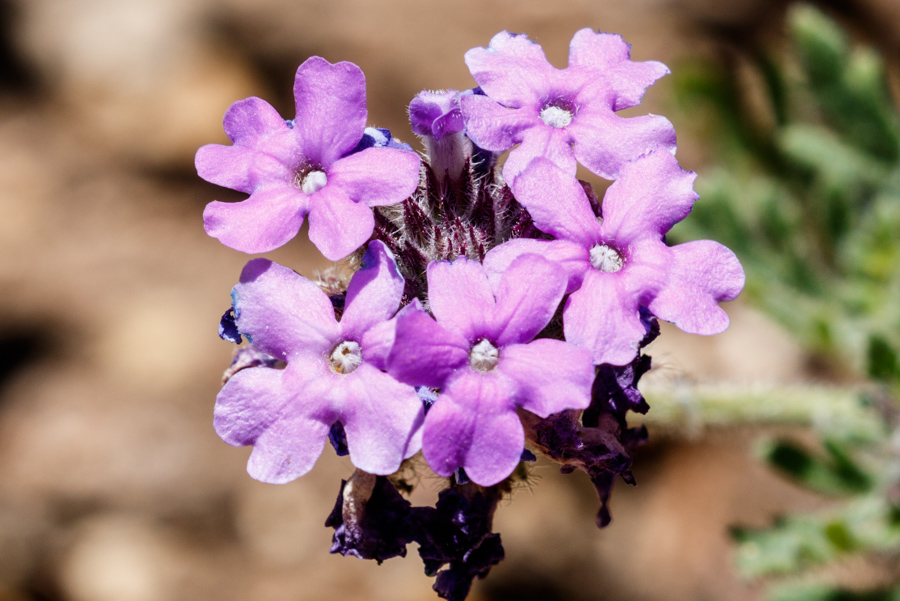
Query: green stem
{"points": [[693, 407]]}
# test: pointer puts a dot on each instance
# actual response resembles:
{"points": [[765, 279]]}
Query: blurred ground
{"points": [[113, 486]]}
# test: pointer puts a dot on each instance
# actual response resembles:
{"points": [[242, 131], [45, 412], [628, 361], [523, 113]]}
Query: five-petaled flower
{"points": [[481, 354], [620, 262], [333, 373], [306, 166], [563, 115]]}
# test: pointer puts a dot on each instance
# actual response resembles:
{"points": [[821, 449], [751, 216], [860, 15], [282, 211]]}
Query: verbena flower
{"points": [[302, 167], [563, 114], [481, 355], [620, 263], [333, 372]]}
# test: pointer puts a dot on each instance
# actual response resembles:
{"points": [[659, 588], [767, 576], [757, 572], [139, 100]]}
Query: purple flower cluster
{"points": [[488, 306]]}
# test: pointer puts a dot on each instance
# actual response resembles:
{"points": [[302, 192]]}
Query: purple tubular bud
{"points": [[437, 119], [436, 114]]}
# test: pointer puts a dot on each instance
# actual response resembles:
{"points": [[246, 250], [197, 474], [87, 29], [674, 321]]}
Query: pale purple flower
{"points": [[333, 373], [296, 168], [481, 354], [563, 115], [620, 263]]}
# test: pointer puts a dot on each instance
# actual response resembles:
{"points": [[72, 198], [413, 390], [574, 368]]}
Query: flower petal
{"points": [[377, 176], [551, 143], [608, 56], [702, 274], [282, 312], [473, 425], [492, 126], [287, 450], [651, 195], [528, 296], [425, 353], [512, 69], [571, 256], [268, 219], [646, 270], [258, 406], [337, 225], [557, 203], [605, 142], [263, 148], [331, 109], [551, 375], [382, 418], [249, 403], [253, 122], [604, 319], [238, 167], [374, 293], [460, 296], [379, 339]]}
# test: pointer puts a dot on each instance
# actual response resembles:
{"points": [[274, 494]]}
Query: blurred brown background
{"points": [[113, 485]]}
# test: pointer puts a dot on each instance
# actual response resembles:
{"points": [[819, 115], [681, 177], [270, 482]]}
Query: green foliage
{"points": [[823, 592], [866, 524], [807, 194], [834, 473]]}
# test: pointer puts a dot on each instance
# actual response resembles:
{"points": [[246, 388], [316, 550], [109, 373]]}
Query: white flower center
{"points": [[346, 357], [606, 259], [313, 182], [483, 356], [555, 116]]}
